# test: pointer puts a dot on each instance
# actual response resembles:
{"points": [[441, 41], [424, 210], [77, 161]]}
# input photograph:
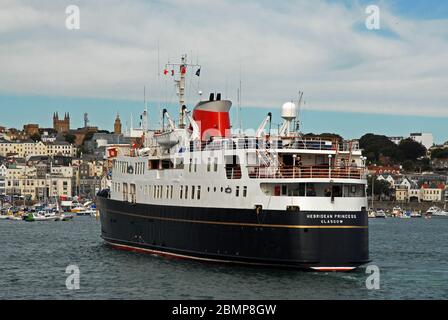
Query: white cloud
{"points": [[282, 48]]}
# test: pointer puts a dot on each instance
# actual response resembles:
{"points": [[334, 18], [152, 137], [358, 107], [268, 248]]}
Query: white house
{"points": [[424, 138], [403, 183], [388, 178]]}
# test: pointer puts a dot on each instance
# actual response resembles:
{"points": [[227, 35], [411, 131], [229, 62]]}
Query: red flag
{"points": [[165, 72], [183, 70], [113, 152]]}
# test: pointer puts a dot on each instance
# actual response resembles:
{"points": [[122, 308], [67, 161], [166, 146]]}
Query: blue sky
{"points": [[390, 81], [102, 113]]}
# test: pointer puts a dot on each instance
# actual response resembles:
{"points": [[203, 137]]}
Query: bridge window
{"points": [[312, 189]]}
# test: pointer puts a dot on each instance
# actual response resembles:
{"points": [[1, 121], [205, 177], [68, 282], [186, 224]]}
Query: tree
{"points": [[376, 145], [70, 138], [411, 150], [439, 153], [380, 188], [408, 165]]}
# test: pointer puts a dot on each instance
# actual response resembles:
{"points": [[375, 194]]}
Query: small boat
{"points": [[416, 214], [432, 210], [15, 218], [406, 215], [397, 212], [64, 217], [80, 210], [40, 216], [380, 214], [440, 214], [67, 217], [4, 217]]}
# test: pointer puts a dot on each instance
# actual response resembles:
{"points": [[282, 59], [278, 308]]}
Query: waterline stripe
{"points": [[120, 246]]}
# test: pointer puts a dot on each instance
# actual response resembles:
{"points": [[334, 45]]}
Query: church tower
{"points": [[66, 125], [55, 120], [63, 125], [117, 125]]}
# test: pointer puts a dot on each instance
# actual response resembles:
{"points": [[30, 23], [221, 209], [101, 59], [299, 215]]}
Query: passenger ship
{"points": [[196, 190]]}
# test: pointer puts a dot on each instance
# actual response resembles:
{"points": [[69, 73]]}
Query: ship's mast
{"points": [[181, 91], [180, 85], [299, 103], [144, 117]]}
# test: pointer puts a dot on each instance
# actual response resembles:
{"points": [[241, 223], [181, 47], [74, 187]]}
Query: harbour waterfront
{"points": [[411, 253]]}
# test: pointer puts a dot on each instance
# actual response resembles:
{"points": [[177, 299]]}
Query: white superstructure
{"points": [[198, 162]]}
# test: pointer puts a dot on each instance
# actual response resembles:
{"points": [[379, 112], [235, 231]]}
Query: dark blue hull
{"points": [[321, 240]]}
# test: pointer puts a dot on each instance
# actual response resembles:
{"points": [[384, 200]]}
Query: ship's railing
{"points": [[306, 172], [233, 173], [260, 143]]}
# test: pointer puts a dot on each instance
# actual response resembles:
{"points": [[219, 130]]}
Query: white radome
{"points": [[289, 111]]}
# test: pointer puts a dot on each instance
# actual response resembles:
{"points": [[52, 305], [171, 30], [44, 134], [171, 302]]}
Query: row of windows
{"points": [[158, 191], [121, 166], [209, 164], [193, 165], [125, 167], [31, 183], [185, 191], [432, 191], [139, 168], [313, 190], [195, 192]]}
